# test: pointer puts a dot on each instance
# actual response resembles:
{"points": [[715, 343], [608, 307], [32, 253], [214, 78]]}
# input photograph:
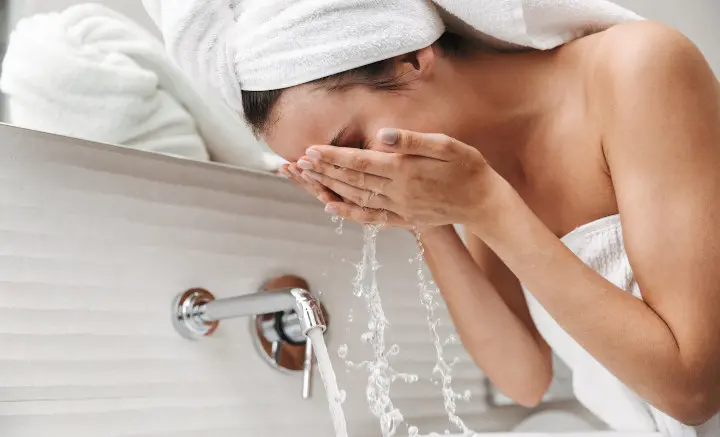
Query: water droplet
{"points": [[343, 351], [413, 431], [411, 379], [394, 350], [342, 396], [339, 229]]}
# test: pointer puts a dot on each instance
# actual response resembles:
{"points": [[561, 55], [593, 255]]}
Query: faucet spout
{"points": [[196, 313], [302, 301]]}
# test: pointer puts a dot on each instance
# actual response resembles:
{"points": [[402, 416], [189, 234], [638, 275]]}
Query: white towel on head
{"points": [[257, 45], [92, 73]]}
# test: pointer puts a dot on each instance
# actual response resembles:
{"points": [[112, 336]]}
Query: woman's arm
{"points": [[490, 314], [663, 150]]}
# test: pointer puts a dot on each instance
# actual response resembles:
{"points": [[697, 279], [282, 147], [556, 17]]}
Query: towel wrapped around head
{"points": [[260, 45]]}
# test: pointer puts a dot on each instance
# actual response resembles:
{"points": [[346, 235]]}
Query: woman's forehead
{"points": [[306, 116]]}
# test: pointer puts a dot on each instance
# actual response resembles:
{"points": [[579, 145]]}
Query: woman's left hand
{"points": [[428, 179]]}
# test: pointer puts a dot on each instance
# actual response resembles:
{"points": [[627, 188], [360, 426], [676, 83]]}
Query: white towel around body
{"points": [[92, 73]]}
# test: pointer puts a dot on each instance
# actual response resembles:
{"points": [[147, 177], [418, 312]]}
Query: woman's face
{"points": [[312, 115]]}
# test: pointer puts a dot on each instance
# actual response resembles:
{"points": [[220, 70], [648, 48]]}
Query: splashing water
{"points": [[340, 221], [335, 396], [443, 368], [380, 373]]}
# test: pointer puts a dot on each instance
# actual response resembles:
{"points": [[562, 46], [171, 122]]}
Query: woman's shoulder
{"points": [[628, 51], [626, 62]]}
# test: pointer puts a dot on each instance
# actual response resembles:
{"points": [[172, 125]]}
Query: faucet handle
{"points": [[307, 370]]}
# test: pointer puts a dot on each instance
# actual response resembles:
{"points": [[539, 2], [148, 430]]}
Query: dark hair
{"points": [[258, 105]]}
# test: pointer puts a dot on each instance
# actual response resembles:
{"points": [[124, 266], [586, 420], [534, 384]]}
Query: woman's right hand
{"points": [[322, 193], [325, 195]]}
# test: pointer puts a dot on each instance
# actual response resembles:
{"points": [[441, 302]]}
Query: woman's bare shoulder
{"points": [[624, 63]]}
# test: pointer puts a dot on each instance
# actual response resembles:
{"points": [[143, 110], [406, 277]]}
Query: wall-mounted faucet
{"points": [[283, 318]]}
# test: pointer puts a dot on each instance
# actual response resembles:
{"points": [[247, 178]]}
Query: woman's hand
{"points": [[323, 194], [327, 197], [427, 179]]}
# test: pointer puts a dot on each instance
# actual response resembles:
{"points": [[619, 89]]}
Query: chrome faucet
{"points": [[293, 313]]}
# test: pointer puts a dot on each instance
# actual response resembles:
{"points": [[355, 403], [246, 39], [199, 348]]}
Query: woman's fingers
{"points": [[313, 187], [364, 215], [365, 181], [358, 196], [383, 160], [435, 146], [364, 161]]}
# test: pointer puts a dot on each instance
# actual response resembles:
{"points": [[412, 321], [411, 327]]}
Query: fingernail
{"points": [[305, 165], [388, 136], [322, 199], [314, 154], [294, 171], [312, 175], [331, 209]]}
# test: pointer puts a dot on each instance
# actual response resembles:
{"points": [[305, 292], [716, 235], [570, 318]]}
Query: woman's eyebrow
{"points": [[337, 139]]}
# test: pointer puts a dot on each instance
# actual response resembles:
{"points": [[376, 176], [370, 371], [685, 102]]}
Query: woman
{"points": [[534, 145], [619, 131]]}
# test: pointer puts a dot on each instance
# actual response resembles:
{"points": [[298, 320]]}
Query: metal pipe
{"points": [[196, 312], [267, 302]]}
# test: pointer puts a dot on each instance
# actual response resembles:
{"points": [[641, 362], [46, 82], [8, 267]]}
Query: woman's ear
{"points": [[419, 64]]}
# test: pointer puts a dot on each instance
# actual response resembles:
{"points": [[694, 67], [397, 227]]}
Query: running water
{"points": [[443, 368], [336, 397], [380, 373]]}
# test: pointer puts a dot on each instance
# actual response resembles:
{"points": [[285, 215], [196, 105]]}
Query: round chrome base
{"points": [[186, 314]]}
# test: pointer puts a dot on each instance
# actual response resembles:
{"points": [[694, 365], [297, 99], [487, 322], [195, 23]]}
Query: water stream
{"points": [[429, 297], [335, 396], [380, 372]]}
